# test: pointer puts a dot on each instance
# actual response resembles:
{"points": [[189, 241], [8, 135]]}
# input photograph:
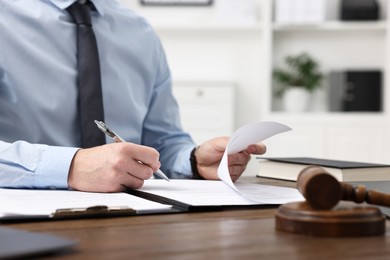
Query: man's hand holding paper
{"points": [[209, 155]]}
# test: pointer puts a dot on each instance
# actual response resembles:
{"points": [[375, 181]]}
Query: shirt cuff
{"points": [[182, 165], [54, 167]]}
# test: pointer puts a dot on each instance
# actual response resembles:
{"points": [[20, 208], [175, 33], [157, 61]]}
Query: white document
{"points": [[246, 135], [46, 202], [217, 193], [225, 192]]}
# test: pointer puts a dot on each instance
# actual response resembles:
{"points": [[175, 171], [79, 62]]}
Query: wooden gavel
{"points": [[324, 191]]}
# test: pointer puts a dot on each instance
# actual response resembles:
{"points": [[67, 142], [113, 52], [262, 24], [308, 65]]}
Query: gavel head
{"points": [[320, 189]]}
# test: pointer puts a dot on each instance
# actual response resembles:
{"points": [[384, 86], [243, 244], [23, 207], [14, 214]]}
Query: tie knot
{"points": [[81, 12]]}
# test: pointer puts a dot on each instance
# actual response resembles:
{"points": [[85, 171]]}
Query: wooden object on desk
{"points": [[323, 191], [232, 234], [317, 216], [343, 220]]}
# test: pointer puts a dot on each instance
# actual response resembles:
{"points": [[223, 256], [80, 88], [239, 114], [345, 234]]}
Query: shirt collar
{"points": [[63, 4]]}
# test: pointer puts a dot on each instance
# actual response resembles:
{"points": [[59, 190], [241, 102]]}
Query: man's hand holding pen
{"points": [[104, 128], [112, 167]]}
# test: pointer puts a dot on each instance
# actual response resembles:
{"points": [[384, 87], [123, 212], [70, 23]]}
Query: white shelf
{"points": [[210, 27], [333, 26], [329, 116], [338, 45]]}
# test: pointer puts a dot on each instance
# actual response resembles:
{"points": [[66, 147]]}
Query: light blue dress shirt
{"points": [[39, 131]]}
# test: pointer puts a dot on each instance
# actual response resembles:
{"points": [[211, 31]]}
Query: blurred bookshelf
{"points": [[202, 47], [337, 46]]}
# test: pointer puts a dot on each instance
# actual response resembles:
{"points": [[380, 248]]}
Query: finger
{"points": [[140, 170], [241, 158], [140, 161], [256, 148], [129, 174], [147, 155], [237, 164], [125, 181], [235, 171], [115, 182], [132, 182]]}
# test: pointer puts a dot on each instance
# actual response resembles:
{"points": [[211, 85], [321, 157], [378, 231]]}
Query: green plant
{"points": [[303, 72]]}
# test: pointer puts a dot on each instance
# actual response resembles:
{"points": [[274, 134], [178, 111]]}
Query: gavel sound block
{"points": [[319, 215]]}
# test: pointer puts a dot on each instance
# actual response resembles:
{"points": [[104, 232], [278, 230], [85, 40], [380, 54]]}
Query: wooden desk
{"points": [[237, 234]]}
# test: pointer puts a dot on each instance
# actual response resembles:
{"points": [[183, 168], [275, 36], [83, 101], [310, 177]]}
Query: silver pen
{"points": [[102, 126]]}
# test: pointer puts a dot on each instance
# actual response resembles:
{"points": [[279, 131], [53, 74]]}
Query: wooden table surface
{"points": [[231, 234]]}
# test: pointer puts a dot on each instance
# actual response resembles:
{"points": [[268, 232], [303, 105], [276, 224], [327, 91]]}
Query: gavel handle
{"points": [[360, 194]]}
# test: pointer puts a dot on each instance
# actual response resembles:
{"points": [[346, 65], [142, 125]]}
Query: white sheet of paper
{"points": [[46, 202], [246, 135], [217, 193]]}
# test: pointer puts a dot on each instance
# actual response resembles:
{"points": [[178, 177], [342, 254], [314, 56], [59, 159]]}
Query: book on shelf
{"points": [[288, 168]]}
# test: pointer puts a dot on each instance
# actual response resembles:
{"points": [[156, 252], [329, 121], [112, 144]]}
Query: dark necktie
{"points": [[89, 82]]}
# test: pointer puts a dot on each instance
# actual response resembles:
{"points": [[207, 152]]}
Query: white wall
{"points": [[201, 45], [214, 43]]}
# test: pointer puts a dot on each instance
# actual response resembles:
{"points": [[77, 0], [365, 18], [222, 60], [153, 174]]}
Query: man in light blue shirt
{"points": [[39, 131]]}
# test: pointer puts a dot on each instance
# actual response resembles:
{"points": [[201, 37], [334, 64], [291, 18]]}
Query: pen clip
{"points": [[104, 128]]}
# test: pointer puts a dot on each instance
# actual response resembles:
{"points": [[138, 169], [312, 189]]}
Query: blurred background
{"points": [[318, 66]]}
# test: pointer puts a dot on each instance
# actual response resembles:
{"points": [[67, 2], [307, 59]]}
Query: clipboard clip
{"points": [[94, 211]]}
